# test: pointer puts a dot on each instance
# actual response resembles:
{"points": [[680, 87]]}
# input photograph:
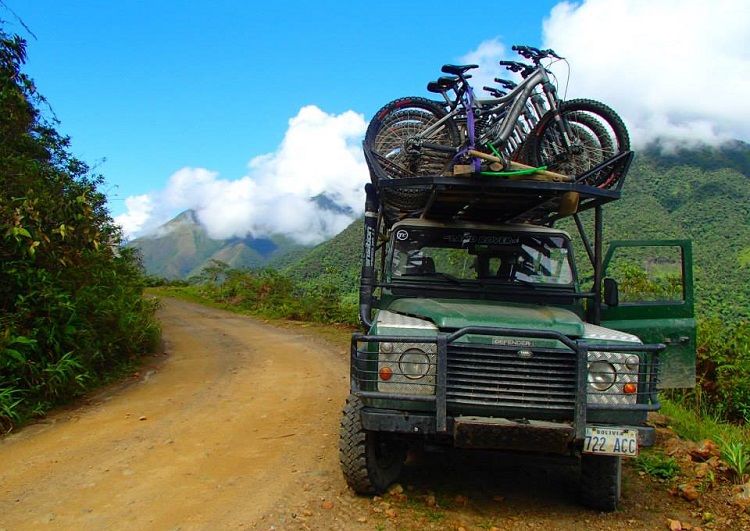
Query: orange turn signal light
{"points": [[385, 373], [629, 388]]}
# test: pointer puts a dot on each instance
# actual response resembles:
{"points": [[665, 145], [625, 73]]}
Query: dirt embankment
{"points": [[235, 426]]}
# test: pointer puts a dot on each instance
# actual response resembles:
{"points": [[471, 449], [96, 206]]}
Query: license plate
{"points": [[611, 441]]}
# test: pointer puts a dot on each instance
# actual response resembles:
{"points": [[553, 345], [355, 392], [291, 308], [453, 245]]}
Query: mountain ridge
{"points": [[182, 247]]}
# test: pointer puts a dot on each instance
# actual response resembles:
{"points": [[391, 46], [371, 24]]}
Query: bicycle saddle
{"points": [[442, 84], [457, 70]]}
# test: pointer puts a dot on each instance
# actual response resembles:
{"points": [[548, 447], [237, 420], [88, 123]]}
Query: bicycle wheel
{"points": [[398, 135], [596, 135]]}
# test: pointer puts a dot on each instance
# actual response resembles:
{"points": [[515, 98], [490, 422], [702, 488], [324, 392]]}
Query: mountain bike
{"points": [[459, 96], [415, 136], [584, 118]]}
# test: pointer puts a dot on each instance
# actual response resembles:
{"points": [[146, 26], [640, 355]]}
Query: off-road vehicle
{"points": [[485, 329]]}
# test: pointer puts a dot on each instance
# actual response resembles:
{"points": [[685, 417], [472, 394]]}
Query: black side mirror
{"points": [[611, 294]]}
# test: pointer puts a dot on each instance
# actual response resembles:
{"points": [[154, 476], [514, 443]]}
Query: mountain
{"points": [[733, 155], [326, 202], [336, 262], [702, 194], [181, 248]]}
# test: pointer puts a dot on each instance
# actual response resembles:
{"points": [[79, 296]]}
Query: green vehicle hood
{"points": [[453, 314]]}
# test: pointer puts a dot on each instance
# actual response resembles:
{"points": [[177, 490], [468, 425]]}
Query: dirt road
{"points": [[237, 428], [240, 416]]}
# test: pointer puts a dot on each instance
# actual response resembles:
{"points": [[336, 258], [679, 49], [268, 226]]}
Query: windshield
{"points": [[484, 256]]}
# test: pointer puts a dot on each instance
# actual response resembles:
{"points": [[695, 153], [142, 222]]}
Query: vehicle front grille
{"points": [[510, 378]]}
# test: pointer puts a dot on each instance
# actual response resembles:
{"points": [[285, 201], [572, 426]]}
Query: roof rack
{"points": [[490, 199]]}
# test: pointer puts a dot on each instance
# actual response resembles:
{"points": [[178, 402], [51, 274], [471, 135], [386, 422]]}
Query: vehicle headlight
{"points": [[407, 368], [602, 375], [613, 378], [414, 363]]}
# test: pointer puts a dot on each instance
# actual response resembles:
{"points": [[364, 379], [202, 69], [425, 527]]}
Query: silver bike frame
{"points": [[517, 99]]}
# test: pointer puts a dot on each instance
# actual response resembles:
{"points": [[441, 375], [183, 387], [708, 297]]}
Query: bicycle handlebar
{"points": [[515, 66], [497, 93], [506, 83], [535, 54]]}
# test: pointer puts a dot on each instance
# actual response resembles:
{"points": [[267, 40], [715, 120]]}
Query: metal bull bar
{"points": [[504, 377]]}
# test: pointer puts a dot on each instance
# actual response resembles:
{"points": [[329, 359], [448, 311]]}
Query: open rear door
{"points": [[655, 302]]}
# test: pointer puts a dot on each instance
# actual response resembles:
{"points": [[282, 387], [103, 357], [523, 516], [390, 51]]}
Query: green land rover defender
{"points": [[483, 331]]}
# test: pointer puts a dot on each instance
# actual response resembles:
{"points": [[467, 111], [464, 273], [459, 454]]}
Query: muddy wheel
{"points": [[601, 477], [370, 461]]}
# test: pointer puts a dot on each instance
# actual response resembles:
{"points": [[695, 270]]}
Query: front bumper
{"points": [[536, 402], [488, 433]]}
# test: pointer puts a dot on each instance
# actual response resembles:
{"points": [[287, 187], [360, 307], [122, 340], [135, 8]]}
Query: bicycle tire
{"points": [[388, 139], [598, 134], [392, 129]]}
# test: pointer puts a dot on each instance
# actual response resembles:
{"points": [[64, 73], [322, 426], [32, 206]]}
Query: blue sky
{"points": [[244, 110]]}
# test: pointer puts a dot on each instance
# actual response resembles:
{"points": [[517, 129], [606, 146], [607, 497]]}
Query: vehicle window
{"points": [[647, 273], [476, 255]]}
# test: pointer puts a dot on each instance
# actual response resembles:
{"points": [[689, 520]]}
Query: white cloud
{"points": [[320, 154], [486, 56], [138, 214], [674, 68]]}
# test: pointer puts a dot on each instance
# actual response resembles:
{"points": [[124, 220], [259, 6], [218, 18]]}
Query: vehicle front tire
{"points": [[370, 461], [601, 480]]}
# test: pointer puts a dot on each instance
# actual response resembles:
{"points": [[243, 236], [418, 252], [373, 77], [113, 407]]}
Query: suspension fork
{"points": [[554, 103]]}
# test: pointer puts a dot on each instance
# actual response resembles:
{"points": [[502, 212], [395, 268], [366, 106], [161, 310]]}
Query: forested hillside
{"points": [[336, 262], [707, 201], [700, 194]]}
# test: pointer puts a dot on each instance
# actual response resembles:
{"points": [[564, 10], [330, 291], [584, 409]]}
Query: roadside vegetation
{"points": [[263, 293], [72, 315]]}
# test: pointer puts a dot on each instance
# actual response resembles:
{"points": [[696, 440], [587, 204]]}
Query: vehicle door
{"points": [[654, 287]]}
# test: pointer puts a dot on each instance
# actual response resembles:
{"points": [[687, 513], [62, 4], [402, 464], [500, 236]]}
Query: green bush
{"points": [[722, 372], [736, 454], [71, 305], [723, 367], [658, 465], [268, 293]]}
